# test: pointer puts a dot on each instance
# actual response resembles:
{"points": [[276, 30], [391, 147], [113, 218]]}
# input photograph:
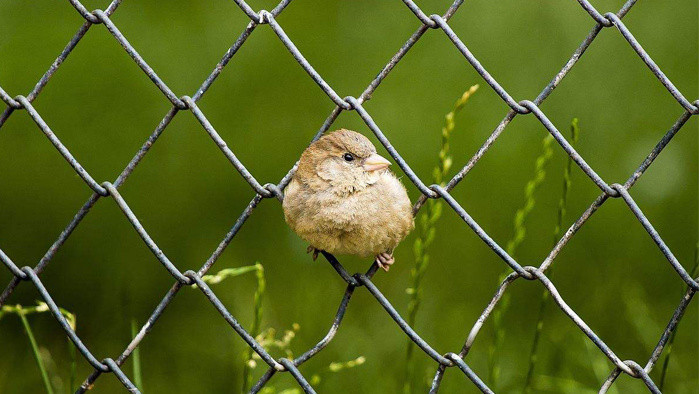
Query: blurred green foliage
{"points": [[264, 105]]}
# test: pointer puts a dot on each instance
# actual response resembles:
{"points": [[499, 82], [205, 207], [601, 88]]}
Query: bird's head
{"points": [[343, 161]]}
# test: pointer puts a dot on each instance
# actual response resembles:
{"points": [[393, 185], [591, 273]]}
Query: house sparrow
{"points": [[343, 199]]}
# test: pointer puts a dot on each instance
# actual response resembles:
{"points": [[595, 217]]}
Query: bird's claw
{"points": [[384, 260], [313, 250]]}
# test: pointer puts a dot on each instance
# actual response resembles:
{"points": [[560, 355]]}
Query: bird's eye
{"points": [[348, 157]]}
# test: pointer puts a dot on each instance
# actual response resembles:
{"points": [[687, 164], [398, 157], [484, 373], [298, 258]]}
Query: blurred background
{"points": [[187, 195]]}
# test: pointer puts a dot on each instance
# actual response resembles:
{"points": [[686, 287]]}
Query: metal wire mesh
{"points": [[269, 190]]}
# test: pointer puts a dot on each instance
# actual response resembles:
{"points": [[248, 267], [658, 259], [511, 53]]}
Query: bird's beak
{"points": [[375, 162]]}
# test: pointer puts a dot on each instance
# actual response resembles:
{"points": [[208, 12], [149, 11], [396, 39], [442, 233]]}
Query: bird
{"points": [[344, 200]]}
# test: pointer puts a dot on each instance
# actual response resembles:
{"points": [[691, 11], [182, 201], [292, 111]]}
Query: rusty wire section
{"points": [[269, 190]]}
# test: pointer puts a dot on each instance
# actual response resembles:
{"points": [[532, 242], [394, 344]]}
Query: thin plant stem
{"points": [[257, 312], [72, 367], [561, 212], [518, 236], [136, 358], [255, 328], [426, 230], [35, 349], [42, 307]]}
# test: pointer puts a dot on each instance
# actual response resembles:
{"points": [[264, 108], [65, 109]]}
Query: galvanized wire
{"points": [[269, 190]]}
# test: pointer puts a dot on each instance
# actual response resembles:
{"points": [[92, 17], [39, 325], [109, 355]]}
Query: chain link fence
{"points": [[274, 190]]}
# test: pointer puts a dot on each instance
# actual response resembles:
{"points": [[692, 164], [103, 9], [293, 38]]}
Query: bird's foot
{"points": [[313, 250], [384, 260]]}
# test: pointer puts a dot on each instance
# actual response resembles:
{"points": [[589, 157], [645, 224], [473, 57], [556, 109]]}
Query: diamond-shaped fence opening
{"points": [[263, 190]]}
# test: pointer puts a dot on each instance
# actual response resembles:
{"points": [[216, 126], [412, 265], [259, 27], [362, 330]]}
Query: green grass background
{"points": [[187, 194]]}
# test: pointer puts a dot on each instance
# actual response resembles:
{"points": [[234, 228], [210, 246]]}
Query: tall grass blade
{"points": [[73, 365], [426, 231], [42, 307], [519, 232], [35, 349], [136, 359], [257, 309], [561, 213], [257, 322]]}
